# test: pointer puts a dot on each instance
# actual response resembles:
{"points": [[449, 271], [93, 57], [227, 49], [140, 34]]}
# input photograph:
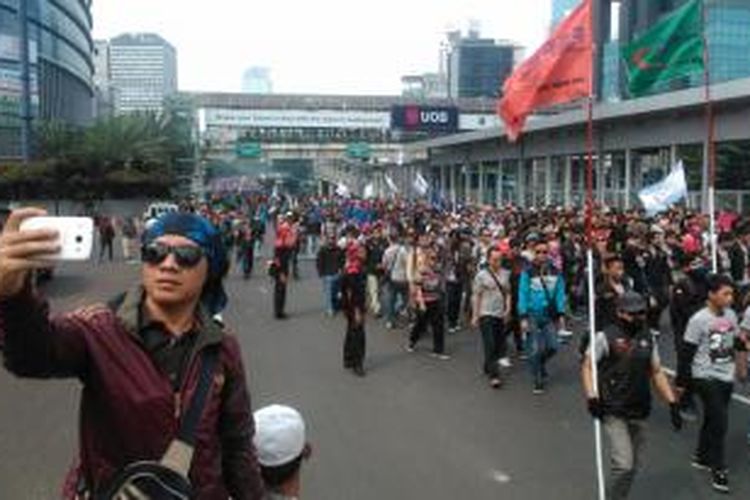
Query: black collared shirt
{"points": [[169, 352]]}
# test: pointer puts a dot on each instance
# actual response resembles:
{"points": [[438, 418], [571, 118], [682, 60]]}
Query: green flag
{"points": [[671, 49]]}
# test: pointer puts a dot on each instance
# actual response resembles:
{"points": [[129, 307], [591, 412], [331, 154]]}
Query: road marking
{"points": [[499, 476], [263, 290], [737, 397]]}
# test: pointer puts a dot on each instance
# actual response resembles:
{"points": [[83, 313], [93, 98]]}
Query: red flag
{"points": [[559, 72]]}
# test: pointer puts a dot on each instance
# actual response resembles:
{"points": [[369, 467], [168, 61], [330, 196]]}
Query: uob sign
{"points": [[427, 119]]}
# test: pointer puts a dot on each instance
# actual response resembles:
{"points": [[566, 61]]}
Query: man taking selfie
{"points": [[141, 358]]}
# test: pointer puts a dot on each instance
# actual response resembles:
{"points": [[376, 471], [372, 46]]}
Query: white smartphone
{"points": [[76, 235]]}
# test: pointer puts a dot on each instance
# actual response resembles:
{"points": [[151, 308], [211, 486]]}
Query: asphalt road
{"points": [[414, 428]]}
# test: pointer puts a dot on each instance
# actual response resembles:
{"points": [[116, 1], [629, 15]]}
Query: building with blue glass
{"points": [[61, 68]]}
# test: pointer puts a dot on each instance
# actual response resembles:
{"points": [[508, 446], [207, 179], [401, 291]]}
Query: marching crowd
{"points": [[517, 276]]}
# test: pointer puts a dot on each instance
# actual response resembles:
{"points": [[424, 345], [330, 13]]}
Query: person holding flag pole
{"points": [[560, 72]]}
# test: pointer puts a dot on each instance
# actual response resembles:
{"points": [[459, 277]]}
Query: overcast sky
{"points": [[315, 46]]}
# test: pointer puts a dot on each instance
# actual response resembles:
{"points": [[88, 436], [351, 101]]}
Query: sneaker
{"points": [[496, 383], [505, 362], [689, 414], [441, 356], [359, 371], [389, 325], [539, 388], [409, 347], [699, 464], [720, 481]]}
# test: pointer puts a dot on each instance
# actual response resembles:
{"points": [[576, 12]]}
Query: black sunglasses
{"points": [[185, 256]]}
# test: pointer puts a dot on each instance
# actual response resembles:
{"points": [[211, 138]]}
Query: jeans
{"points": [[453, 302], [312, 244], [330, 293], [715, 396], [541, 345], [627, 438], [396, 291], [433, 316], [494, 342]]}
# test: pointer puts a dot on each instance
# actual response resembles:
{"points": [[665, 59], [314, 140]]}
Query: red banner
{"points": [[559, 72]]}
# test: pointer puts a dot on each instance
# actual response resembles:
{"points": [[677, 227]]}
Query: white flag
{"points": [[665, 193], [391, 185], [421, 185], [342, 190], [369, 191]]}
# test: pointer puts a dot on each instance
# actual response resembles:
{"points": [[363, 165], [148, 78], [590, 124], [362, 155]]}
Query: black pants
{"points": [[453, 302], [687, 400], [433, 316], [106, 247], [715, 396], [353, 293], [279, 295], [494, 342]]}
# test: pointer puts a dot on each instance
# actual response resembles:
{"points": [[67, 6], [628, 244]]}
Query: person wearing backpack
{"points": [[163, 382], [491, 312]]}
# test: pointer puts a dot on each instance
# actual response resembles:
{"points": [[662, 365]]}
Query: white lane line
{"points": [[737, 397]]}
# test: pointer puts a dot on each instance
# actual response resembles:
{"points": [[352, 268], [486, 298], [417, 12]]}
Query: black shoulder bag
{"points": [[168, 478]]}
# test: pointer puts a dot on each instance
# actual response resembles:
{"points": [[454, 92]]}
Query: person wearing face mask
{"points": [[688, 297], [628, 364]]}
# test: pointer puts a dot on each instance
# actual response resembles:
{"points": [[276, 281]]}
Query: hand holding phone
{"points": [[75, 236], [22, 251]]}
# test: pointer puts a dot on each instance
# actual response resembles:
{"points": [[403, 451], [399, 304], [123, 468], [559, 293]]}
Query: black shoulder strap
{"points": [[191, 418], [497, 281]]}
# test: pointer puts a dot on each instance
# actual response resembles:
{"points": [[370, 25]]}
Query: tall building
{"points": [[257, 80], [478, 67], [105, 93], [727, 34], [144, 71], [60, 68], [424, 86], [561, 8]]}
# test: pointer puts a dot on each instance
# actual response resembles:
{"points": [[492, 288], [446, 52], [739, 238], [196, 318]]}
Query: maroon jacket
{"points": [[129, 411]]}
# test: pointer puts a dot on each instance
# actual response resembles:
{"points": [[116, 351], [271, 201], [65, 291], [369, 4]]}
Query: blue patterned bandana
{"points": [[208, 237]]}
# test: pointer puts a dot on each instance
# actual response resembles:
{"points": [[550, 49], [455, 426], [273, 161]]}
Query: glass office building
{"points": [[61, 67]]}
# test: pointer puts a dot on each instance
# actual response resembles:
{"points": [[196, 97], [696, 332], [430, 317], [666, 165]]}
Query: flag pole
{"points": [[711, 138], [589, 220]]}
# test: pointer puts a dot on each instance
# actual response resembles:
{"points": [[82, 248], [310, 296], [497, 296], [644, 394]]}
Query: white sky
{"points": [[315, 46]]}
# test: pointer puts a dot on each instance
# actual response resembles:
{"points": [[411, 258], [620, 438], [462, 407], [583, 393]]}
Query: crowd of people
{"points": [[517, 276]]}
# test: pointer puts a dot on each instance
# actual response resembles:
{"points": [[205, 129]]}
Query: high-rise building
{"points": [[105, 93], [257, 80], [561, 8], [478, 67], [144, 71], [424, 86], [60, 68]]}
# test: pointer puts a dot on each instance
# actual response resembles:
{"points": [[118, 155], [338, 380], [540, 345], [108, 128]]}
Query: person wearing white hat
{"points": [[281, 445]]}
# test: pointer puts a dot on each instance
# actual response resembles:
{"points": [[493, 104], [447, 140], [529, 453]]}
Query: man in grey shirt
{"points": [[491, 307], [710, 358]]}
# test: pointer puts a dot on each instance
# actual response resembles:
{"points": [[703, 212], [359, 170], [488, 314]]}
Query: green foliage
{"points": [[116, 157]]}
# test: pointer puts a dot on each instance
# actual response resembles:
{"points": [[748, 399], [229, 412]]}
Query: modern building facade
{"points": [[636, 143], [478, 67], [143, 68], [60, 52], [257, 80]]}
